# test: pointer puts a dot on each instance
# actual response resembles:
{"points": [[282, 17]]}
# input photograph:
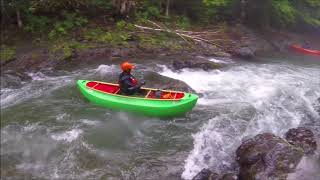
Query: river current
{"points": [[49, 131]]}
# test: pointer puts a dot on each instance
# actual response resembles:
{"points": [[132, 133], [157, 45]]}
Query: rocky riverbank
{"points": [[238, 42], [267, 156]]}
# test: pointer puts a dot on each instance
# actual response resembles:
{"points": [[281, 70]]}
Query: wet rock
{"points": [[11, 79], [220, 54], [316, 105], [158, 81], [230, 176], [120, 52], [303, 138], [267, 156], [211, 50], [206, 174], [195, 63], [244, 52]]}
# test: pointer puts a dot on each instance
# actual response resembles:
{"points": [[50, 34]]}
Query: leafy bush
{"points": [[37, 23], [217, 3], [7, 53], [183, 22], [116, 37], [67, 47], [284, 12], [70, 22], [151, 12]]}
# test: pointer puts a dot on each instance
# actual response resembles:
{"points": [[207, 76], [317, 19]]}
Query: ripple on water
{"points": [[67, 136]]}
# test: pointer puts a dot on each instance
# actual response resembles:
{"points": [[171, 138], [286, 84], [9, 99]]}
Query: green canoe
{"points": [[171, 103]]}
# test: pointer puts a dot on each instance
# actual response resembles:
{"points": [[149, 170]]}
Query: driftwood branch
{"points": [[196, 36]]}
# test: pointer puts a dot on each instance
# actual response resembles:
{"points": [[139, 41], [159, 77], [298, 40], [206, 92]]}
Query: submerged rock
{"points": [[199, 63], [230, 176], [267, 156], [316, 105], [10, 79], [206, 174], [303, 138], [244, 52]]}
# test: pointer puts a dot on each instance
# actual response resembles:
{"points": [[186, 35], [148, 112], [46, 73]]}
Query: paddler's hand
{"points": [[143, 83]]}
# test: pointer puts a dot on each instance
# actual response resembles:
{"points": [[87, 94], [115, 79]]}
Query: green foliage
{"points": [[314, 22], [183, 22], [70, 22], [67, 47], [58, 18], [151, 13], [312, 3], [7, 53], [217, 3], [116, 37], [284, 12], [160, 40], [219, 10], [121, 25], [104, 4], [37, 23], [55, 6]]}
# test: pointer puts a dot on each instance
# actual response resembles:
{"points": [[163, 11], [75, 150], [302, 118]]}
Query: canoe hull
{"points": [[153, 107], [304, 51]]}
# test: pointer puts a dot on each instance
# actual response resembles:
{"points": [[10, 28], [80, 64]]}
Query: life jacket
{"points": [[133, 81], [126, 81]]}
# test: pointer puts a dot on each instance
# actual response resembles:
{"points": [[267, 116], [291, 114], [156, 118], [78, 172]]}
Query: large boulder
{"points": [[198, 63], [303, 138], [244, 52], [158, 81], [267, 156], [11, 79]]}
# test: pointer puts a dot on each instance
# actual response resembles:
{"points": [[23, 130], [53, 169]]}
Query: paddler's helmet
{"points": [[126, 66]]}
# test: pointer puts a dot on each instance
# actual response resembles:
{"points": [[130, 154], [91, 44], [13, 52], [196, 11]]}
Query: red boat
{"points": [[305, 51]]}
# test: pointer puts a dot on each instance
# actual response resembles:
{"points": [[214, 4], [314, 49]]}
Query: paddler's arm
{"points": [[128, 82]]}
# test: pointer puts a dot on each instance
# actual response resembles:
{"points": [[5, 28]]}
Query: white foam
{"points": [[90, 122], [38, 76], [221, 61], [103, 69], [39, 85], [62, 117], [281, 95], [68, 136]]}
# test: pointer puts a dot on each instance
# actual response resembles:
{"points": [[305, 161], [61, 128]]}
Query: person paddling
{"points": [[306, 45], [127, 82]]}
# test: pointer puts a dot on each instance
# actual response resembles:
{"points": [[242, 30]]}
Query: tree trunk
{"points": [[243, 14], [123, 7], [19, 21], [167, 8], [2, 13], [2, 7]]}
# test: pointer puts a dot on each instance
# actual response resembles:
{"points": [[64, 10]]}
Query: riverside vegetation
{"points": [[67, 26]]}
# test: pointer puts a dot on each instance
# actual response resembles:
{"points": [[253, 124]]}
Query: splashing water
{"points": [[50, 131], [280, 97]]}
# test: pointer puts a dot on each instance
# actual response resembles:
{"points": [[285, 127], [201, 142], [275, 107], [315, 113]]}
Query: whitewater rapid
{"points": [[260, 98], [50, 131]]}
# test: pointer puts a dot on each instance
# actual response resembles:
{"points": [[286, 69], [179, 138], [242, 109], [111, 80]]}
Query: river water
{"points": [[49, 131]]}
